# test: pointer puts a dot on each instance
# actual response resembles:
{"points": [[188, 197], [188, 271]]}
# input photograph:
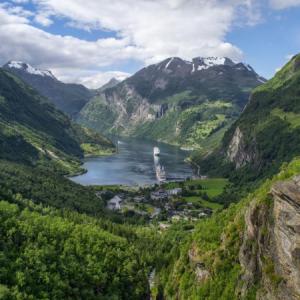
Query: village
{"points": [[166, 203]]}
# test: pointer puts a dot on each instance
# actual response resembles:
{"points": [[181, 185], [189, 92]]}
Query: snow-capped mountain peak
{"points": [[203, 63], [29, 69]]}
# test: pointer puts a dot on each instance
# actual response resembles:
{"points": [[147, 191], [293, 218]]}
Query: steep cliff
{"points": [[270, 253], [31, 128]]}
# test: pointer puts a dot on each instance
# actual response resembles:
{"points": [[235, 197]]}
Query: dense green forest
{"points": [[56, 242], [45, 256]]}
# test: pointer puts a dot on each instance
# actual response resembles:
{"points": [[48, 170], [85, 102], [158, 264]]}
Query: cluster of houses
{"points": [[161, 197], [162, 194], [117, 201]]}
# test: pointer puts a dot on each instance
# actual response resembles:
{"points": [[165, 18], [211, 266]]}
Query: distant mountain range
{"points": [[188, 103], [70, 98]]}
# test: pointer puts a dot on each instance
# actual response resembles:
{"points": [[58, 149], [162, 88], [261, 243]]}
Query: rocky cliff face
{"points": [[238, 152], [267, 131], [270, 254]]}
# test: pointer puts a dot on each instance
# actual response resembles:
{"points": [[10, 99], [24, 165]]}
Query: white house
{"points": [[114, 203], [174, 192]]}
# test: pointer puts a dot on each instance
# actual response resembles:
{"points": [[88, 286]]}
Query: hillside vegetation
{"points": [[184, 103], [266, 134], [221, 260], [31, 128]]}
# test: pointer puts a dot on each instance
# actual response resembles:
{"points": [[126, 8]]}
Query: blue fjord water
{"points": [[134, 165]]}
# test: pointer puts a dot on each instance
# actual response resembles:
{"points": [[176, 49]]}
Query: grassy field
{"points": [[202, 202], [211, 187], [95, 150]]}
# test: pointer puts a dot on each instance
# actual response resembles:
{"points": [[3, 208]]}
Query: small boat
{"points": [[156, 151]]}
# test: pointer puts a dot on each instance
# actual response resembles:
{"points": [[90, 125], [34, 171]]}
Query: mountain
{"points": [[69, 98], [31, 127], [268, 131], [182, 102], [110, 84], [39, 145]]}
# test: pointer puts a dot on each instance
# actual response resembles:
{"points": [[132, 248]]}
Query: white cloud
{"points": [[91, 79], [282, 4], [100, 79], [43, 19], [159, 28], [147, 31], [21, 41]]}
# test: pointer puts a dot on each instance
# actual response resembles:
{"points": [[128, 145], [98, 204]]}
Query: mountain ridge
{"points": [[155, 101], [68, 97]]}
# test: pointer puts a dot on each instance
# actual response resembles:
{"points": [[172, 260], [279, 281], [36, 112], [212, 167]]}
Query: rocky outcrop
{"points": [[129, 106], [270, 254], [286, 237], [237, 151], [198, 267]]}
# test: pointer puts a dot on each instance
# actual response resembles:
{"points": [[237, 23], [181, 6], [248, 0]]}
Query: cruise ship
{"points": [[156, 151]]}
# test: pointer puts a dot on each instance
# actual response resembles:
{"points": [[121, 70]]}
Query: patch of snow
{"points": [[29, 69], [202, 68], [213, 61], [16, 64], [207, 62], [193, 68], [169, 62]]}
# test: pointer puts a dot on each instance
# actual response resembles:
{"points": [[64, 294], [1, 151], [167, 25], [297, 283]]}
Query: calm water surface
{"points": [[134, 164]]}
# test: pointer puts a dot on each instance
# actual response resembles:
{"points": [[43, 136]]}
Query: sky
{"points": [[91, 41]]}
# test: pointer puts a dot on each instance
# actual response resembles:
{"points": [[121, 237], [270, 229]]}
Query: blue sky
{"points": [[269, 44], [90, 41]]}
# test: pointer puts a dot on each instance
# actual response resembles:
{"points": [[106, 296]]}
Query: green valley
{"points": [[143, 223]]}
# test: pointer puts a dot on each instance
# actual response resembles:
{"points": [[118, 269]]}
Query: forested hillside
{"points": [[47, 253], [31, 128], [266, 134]]}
